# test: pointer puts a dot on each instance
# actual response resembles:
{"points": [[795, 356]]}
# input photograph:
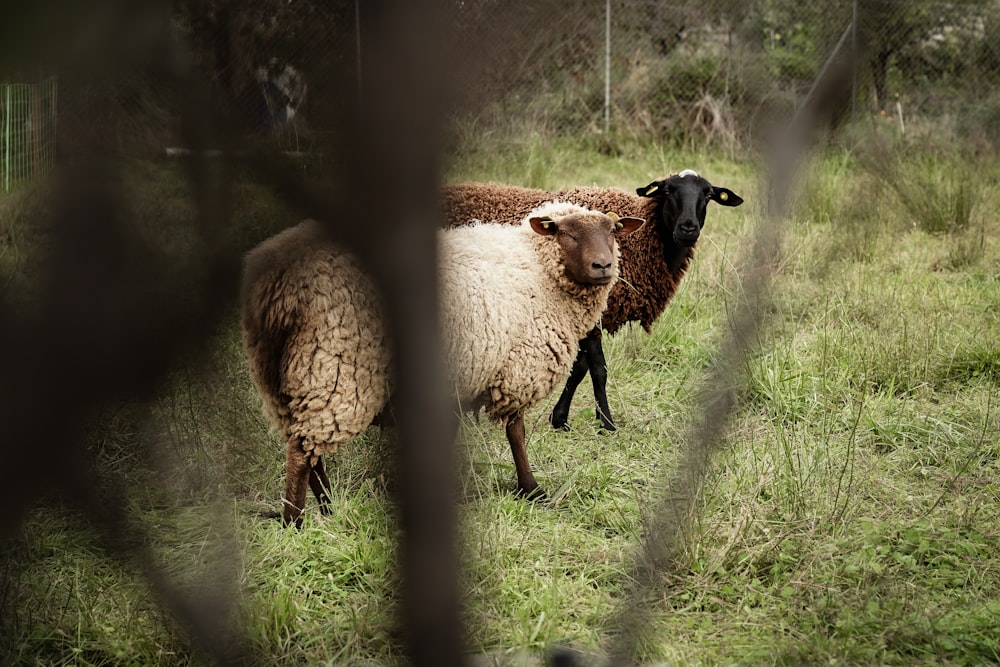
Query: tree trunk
{"points": [[880, 69]]}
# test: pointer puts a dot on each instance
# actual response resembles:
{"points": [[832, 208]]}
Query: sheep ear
{"points": [[545, 225], [625, 226], [725, 197], [650, 190]]}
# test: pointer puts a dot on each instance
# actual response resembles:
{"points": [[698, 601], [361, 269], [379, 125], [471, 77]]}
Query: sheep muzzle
{"points": [[601, 273], [686, 234]]}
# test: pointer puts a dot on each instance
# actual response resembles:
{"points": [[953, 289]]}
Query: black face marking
{"points": [[684, 199]]}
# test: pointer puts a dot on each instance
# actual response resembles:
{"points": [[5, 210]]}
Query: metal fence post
{"points": [[607, 66], [357, 37], [6, 139], [854, 66]]}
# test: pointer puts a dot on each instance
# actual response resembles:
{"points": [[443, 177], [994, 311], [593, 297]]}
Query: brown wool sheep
{"points": [[653, 260], [515, 300]]}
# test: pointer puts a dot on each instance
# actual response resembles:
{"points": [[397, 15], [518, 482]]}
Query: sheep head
{"points": [[683, 200], [587, 241]]}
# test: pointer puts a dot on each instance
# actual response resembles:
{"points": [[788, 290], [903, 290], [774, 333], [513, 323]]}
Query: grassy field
{"points": [[851, 517]]}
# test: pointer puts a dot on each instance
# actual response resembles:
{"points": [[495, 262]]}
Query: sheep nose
{"points": [[601, 266], [687, 233]]}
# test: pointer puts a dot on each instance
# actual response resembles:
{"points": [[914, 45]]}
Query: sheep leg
{"points": [[527, 487], [592, 348], [320, 485], [560, 413], [297, 470]]}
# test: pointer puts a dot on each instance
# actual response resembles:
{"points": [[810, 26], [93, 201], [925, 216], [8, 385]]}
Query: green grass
{"points": [[851, 516]]}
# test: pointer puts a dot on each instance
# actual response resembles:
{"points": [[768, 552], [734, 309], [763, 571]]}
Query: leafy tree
{"points": [[885, 27], [889, 29]]}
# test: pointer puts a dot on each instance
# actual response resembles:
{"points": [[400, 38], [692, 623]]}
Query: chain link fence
{"points": [[718, 73], [715, 72], [726, 74]]}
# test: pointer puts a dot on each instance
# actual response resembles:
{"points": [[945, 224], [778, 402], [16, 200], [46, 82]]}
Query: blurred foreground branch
{"points": [[666, 528], [113, 314]]}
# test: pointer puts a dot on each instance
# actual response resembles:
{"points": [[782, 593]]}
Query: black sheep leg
{"points": [[320, 485], [560, 413], [589, 358], [591, 346]]}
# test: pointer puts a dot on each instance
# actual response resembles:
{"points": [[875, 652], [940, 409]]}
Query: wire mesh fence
{"points": [[727, 73], [718, 73], [27, 131]]}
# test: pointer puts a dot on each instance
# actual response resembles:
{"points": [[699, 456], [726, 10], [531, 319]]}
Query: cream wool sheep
{"points": [[515, 301]]}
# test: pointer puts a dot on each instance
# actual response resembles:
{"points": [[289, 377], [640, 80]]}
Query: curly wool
{"points": [[515, 336], [314, 337], [312, 326], [647, 281]]}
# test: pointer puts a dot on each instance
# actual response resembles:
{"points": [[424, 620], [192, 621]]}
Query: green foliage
{"points": [[987, 56], [979, 124], [787, 64], [18, 236], [941, 190]]}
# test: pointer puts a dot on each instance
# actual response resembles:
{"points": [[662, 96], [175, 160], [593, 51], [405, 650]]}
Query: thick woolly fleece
{"points": [[651, 265], [314, 338], [312, 326]]}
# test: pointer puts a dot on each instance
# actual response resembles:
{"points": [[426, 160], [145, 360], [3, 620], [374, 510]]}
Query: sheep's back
{"points": [[314, 336], [486, 283], [488, 202], [604, 200]]}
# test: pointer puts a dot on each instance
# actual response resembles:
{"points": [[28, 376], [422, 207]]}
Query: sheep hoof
{"points": [[297, 522], [271, 515], [559, 423], [536, 494], [608, 426]]}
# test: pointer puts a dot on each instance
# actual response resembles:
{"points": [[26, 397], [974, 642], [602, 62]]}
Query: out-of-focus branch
{"points": [[667, 526], [400, 149], [111, 314], [384, 207]]}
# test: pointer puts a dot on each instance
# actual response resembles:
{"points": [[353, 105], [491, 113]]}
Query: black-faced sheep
{"points": [[653, 260], [515, 300]]}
